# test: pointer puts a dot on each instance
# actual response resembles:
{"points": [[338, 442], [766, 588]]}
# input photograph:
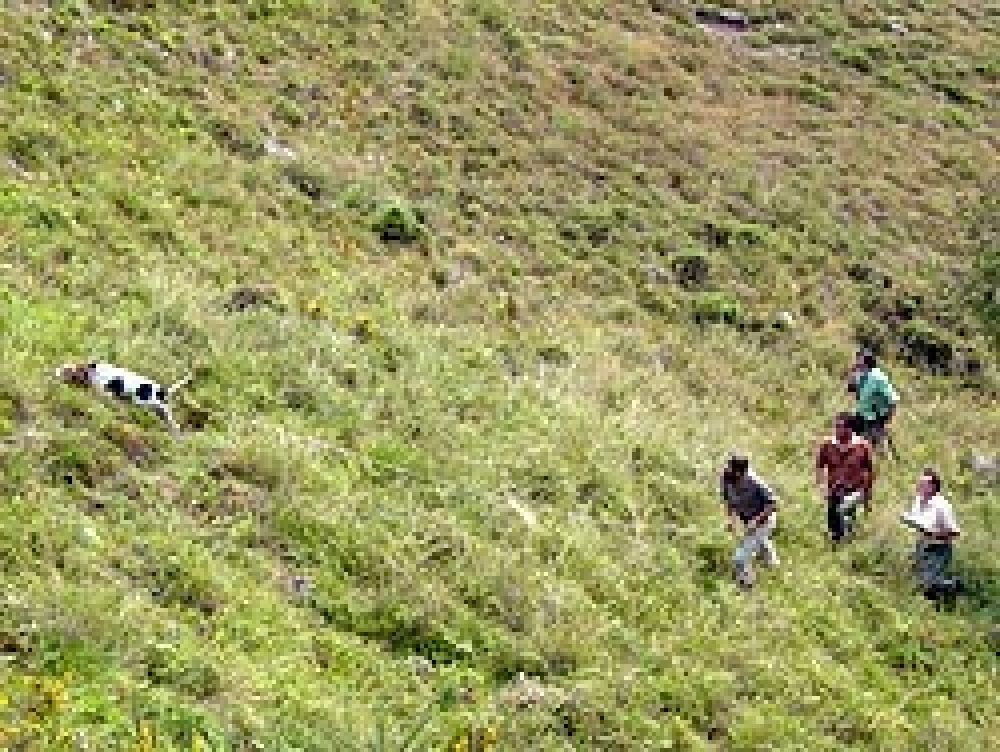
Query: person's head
{"points": [[929, 483], [865, 360], [737, 466], [843, 426]]}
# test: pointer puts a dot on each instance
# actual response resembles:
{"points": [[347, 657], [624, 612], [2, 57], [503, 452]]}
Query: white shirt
{"points": [[934, 515]]}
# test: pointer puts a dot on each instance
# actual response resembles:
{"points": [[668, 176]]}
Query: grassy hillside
{"points": [[479, 295]]}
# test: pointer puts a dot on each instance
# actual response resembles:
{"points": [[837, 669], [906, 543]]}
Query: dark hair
{"points": [[929, 472], [845, 417], [867, 357], [738, 464]]}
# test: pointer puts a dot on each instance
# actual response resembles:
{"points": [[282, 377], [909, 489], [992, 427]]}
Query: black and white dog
{"points": [[126, 385]]}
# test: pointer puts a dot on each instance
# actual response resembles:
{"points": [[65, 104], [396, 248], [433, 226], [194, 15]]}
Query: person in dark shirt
{"points": [[752, 505]]}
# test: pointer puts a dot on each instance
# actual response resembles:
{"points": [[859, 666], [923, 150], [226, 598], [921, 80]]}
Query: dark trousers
{"points": [[838, 519], [873, 430], [932, 563]]}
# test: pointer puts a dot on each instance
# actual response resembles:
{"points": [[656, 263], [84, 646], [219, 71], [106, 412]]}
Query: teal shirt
{"points": [[875, 395]]}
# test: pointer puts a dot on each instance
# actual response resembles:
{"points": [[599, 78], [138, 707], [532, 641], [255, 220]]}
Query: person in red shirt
{"points": [[844, 475]]}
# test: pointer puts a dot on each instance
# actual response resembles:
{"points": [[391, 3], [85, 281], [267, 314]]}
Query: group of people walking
{"points": [[845, 476]]}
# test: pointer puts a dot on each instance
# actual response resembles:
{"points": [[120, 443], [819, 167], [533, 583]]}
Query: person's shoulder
{"points": [[881, 377], [942, 501]]}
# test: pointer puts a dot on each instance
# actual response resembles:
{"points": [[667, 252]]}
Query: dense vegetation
{"points": [[479, 294]]}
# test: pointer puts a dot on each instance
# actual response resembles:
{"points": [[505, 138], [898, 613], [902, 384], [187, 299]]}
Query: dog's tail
{"points": [[178, 384]]}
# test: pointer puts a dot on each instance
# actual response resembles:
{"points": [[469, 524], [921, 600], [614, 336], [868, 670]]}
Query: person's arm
{"points": [[821, 472], [731, 519], [727, 508], [891, 400], [868, 472], [852, 380], [770, 504], [765, 513], [890, 413]]}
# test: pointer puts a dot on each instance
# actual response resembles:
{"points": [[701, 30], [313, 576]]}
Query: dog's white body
{"points": [[121, 383]]}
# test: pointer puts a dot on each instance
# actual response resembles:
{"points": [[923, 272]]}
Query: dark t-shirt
{"points": [[747, 499]]}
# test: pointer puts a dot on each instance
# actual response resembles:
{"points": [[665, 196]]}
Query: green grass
{"points": [[479, 295]]}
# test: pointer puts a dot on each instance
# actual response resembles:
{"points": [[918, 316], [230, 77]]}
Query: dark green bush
{"points": [[690, 269], [924, 346], [399, 222]]}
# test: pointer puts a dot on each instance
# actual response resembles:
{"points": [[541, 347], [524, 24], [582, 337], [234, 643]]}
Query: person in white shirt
{"points": [[934, 520]]}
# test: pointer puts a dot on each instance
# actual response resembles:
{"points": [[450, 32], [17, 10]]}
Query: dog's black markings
{"points": [[116, 387], [161, 394], [144, 391]]}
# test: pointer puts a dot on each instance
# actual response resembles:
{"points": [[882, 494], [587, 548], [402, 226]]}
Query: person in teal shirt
{"points": [[876, 399]]}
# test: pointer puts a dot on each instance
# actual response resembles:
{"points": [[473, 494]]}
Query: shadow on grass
{"points": [[981, 580]]}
